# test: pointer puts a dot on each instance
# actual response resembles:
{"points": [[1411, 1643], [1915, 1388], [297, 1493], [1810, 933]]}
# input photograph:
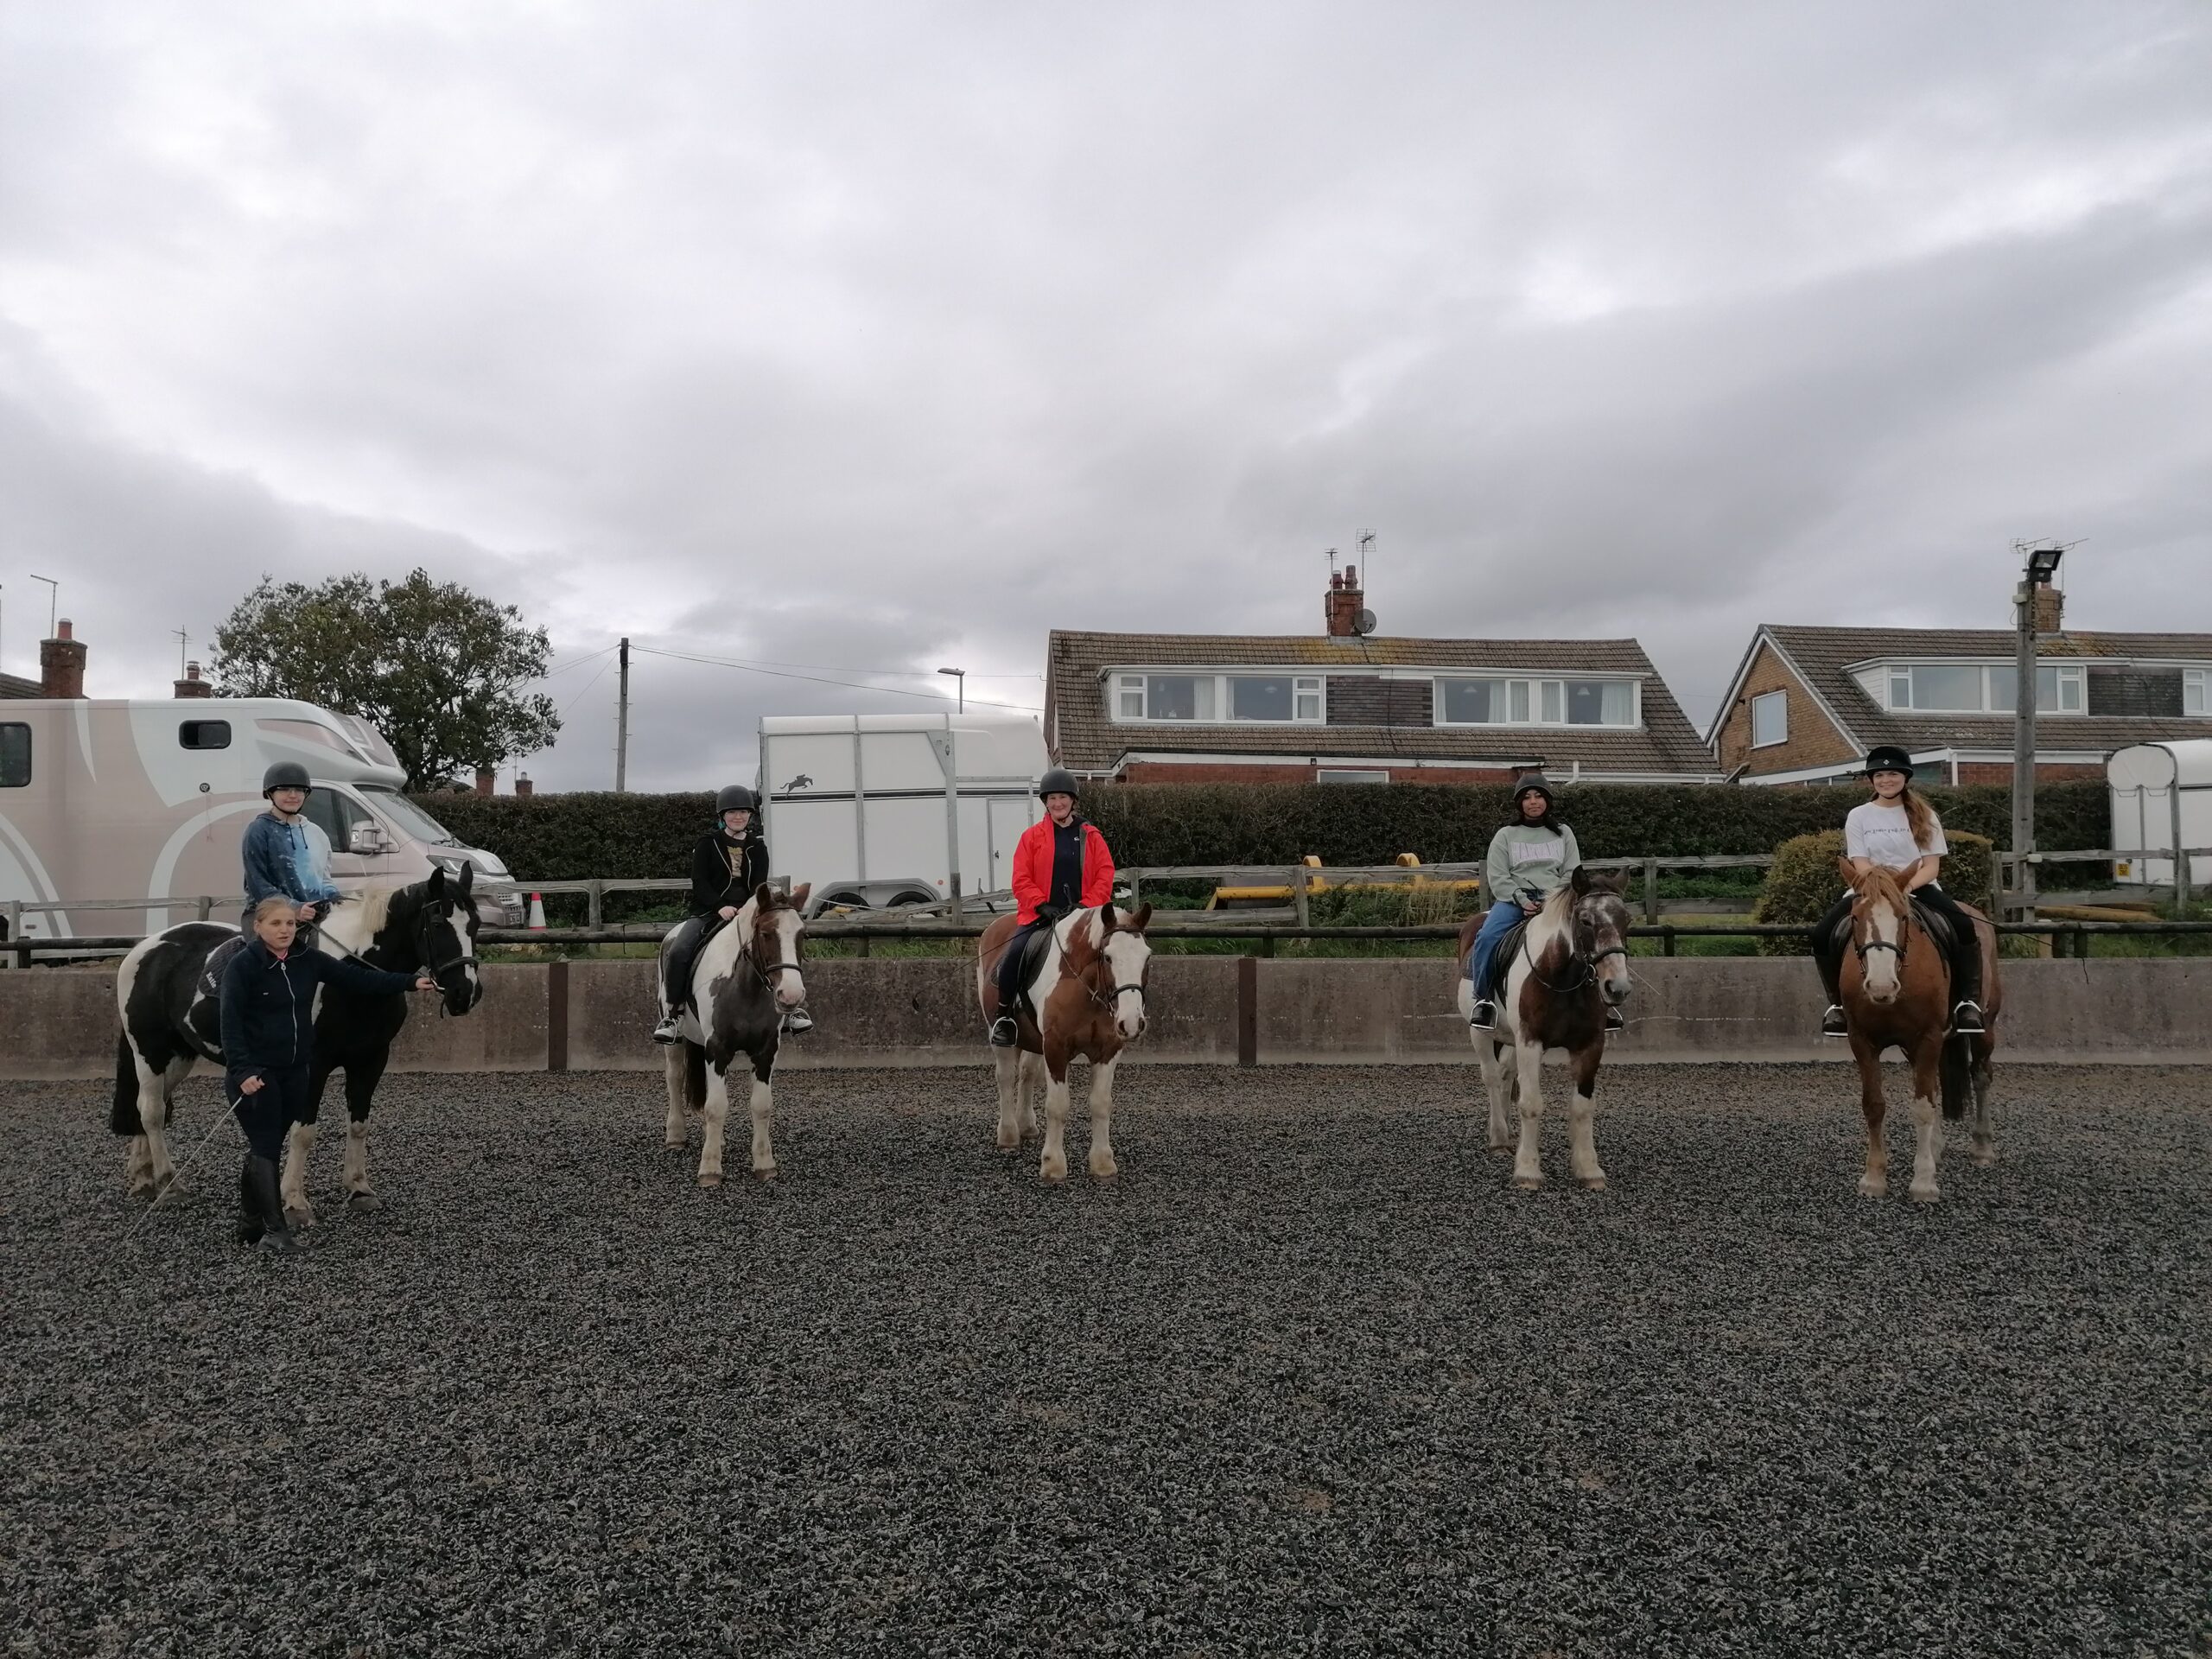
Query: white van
{"points": [[864, 806], [2160, 790], [124, 800]]}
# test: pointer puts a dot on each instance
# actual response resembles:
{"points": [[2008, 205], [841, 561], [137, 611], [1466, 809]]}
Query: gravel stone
{"points": [[1309, 1378]]}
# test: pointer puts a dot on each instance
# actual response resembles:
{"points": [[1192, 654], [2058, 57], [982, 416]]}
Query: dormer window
{"points": [[1973, 687], [1509, 701], [1286, 699], [2197, 691]]}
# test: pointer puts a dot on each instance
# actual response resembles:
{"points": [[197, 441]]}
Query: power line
{"points": [[854, 685]]}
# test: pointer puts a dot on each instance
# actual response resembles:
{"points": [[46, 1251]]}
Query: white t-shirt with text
{"points": [[1883, 834]]}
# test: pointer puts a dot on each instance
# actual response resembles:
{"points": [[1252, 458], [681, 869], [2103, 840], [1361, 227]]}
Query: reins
{"points": [[1588, 964]]}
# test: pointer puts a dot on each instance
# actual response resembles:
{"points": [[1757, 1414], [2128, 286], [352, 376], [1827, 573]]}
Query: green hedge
{"points": [[561, 837], [1804, 881]]}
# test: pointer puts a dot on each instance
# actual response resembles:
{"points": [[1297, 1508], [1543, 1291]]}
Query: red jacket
{"points": [[1033, 868]]}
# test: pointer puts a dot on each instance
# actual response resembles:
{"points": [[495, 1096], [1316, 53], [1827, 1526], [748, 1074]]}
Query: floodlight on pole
{"points": [[2041, 566], [960, 676]]}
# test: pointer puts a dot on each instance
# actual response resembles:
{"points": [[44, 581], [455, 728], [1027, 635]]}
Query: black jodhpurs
{"points": [[1829, 943], [268, 1114], [1010, 966]]}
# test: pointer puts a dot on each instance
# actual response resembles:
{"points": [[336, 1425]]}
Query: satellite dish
{"points": [[1364, 622]]}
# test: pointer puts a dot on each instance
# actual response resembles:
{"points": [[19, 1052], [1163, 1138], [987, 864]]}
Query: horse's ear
{"points": [[1107, 920], [798, 895], [467, 876], [1849, 871], [765, 896], [1579, 881], [435, 888], [1902, 876], [1142, 919]]}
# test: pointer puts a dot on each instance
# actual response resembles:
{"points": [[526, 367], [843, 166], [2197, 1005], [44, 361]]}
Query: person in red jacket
{"points": [[1060, 864]]}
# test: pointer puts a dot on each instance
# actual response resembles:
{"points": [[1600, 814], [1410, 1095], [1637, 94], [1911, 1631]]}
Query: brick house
{"points": [[1348, 707], [1808, 702]]}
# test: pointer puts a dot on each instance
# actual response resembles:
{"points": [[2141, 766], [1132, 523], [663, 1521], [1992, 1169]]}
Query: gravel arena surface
{"points": [[1308, 1378]]}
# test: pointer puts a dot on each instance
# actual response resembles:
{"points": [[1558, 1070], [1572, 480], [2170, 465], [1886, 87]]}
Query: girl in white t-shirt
{"points": [[1899, 830]]}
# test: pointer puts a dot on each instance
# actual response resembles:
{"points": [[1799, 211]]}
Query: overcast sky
{"points": [[883, 337]]}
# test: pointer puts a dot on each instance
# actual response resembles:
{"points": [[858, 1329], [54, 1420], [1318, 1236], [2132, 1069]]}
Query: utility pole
{"points": [[960, 678], [2041, 566], [622, 722]]}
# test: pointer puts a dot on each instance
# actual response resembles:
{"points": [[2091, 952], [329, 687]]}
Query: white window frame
{"points": [[1774, 700], [2071, 677], [1351, 775], [1535, 699], [2197, 688], [1308, 691]]}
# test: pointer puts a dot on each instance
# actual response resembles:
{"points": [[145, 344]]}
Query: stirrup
{"points": [[669, 1030], [1005, 1031], [1966, 1017], [799, 1022], [1615, 1021], [1484, 1016], [1833, 1023]]}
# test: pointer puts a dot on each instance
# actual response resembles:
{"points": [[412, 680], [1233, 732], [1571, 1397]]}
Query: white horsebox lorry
{"points": [[2161, 800], [882, 810], [110, 799]]}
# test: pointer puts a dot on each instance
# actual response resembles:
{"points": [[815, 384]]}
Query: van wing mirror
{"points": [[366, 838]]}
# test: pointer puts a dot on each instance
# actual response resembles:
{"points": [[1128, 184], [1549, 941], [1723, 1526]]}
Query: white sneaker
{"points": [[669, 1030]]}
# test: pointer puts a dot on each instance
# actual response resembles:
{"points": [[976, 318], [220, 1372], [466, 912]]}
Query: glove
{"points": [[1048, 913]]}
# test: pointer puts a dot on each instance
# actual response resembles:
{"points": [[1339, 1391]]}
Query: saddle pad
{"points": [[210, 971]]}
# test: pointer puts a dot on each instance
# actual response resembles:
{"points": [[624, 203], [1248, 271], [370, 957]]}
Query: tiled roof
{"points": [[14, 685], [1823, 656], [1089, 741]]}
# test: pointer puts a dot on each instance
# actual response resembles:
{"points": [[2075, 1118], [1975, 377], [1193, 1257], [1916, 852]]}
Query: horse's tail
{"points": [[1957, 1071], [123, 1116]]}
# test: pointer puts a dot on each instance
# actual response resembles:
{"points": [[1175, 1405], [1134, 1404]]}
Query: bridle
{"points": [[766, 974], [1907, 922], [465, 957], [1576, 957], [1100, 996]]}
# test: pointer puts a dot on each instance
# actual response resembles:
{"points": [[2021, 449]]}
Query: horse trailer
{"points": [[2161, 800], [140, 801], [882, 810]]}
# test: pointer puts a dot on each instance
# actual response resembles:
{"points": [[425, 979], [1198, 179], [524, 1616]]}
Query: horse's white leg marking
{"points": [[1007, 1062], [357, 1157], [710, 1150], [1497, 1083], [677, 1062], [138, 1168], [153, 1118], [1029, 1091], [1101, 1163], [764, 1106], [1582, 1138], [1053, 1166], [1927, 1139], [299, 1147], [1528, 1165], [1985, 1133]]}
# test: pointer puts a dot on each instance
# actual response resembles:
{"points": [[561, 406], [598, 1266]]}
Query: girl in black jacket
{"points": [[268, 1025], [728, 867]]}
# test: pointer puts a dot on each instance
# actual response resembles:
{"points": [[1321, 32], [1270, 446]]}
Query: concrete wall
{"points": [[1205, 1010]]}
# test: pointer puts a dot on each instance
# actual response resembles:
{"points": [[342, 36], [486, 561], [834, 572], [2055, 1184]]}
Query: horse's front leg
{"points": [[715, 1111], [361, 1081], [1029, 1092], [153, 1124], [1053, 1165], [1528, 1165], [1497, 1083], [1875, 1183], [677, 1062], [1581, 1116], [764, 1105], [299, 1147], [1985, 1133], [1007, 1062], [1101, 1162], [1927, 1117]]}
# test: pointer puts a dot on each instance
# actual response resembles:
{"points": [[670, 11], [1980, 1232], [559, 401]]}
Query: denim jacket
{"points": [[281, 860]]}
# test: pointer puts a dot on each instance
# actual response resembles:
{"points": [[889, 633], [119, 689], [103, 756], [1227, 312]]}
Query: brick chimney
{"points": [[1344, 602], [62, 664], [2050, 608], [191, 685], [523, 789], [485, 779]]}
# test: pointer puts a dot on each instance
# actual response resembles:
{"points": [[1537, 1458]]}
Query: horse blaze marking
{"points": [[1247, 1011], [556, 1015]]}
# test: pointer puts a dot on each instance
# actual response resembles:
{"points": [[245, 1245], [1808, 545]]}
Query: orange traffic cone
{"points": [[537, 912]]}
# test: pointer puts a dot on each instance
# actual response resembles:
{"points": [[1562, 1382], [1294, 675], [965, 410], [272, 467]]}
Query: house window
{"points": [[15, 754], [204, 734], [1770, 719], [1351, 775], [1534, 703], [2197, 691], [1284, 699], [1976, 688]]}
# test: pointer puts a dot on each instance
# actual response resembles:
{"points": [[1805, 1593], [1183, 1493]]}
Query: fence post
{"points": [[1997, 880], [1651, 892], [1298, 894], [1667, 943], [595, 902]]}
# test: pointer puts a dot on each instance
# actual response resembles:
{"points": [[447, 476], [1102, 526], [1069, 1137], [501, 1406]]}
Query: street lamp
{"points": [[2041, 566], [961, 675]]}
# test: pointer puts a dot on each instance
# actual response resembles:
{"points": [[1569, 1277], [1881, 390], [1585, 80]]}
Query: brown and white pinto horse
{"points": [[1569, 964], [1897, 991], [745, 979], [1089, 988]]}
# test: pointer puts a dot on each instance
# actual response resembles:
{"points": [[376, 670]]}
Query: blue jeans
{"points": [[1495, 924]]}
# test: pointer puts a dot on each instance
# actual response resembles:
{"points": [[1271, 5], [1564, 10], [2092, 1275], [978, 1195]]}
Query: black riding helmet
{"points": [[285, 774], [735, 797], [1058, 781], [1888, 758]]}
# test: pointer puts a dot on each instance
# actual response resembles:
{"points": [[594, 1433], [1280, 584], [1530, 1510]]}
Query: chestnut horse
{"points": [[1896, 991], [1088, 987], [1569, 963]]}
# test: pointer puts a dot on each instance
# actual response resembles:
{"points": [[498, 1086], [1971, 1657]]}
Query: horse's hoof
{"points": [[1103, 1169], [363, 1203], [302, 1217], [765, 1172], [1925, 1194], [142, 1189], [1871, 1188], [1008, 1142], [711, 1180], [1500, 1148], [1528, 1183], [1592, 1183], [1054, 1171], [1985, 1159], [674, 1146]]}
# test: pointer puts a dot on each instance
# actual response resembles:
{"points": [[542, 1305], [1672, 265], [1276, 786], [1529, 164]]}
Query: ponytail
{"points": [[1920, 816]]}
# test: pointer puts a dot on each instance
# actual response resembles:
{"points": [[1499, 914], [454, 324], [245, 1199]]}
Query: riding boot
{"points": [[1005, 1031], [1832, 1020], [276, 1233], [1484, 1016], [799, 1022], [250, 1225], [670, 1028], [1966, 990], [1615, 1021]]}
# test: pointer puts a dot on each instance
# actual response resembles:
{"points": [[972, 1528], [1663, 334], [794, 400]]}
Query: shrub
{"points": [[1803, 881]]}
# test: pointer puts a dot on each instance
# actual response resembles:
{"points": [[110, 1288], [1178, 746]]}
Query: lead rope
{"points": [[177, 1179]]}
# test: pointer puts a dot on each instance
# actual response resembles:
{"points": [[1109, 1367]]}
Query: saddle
{"points": [[1502, 958], [687, 940], [1034, 944], [1937, 924]]}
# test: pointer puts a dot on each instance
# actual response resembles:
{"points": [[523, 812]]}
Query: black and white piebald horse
{"points": [[744, 980], [167, 992]]}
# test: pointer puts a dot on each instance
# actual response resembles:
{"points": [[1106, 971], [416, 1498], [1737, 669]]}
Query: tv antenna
{"points": [[183, 649]]}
